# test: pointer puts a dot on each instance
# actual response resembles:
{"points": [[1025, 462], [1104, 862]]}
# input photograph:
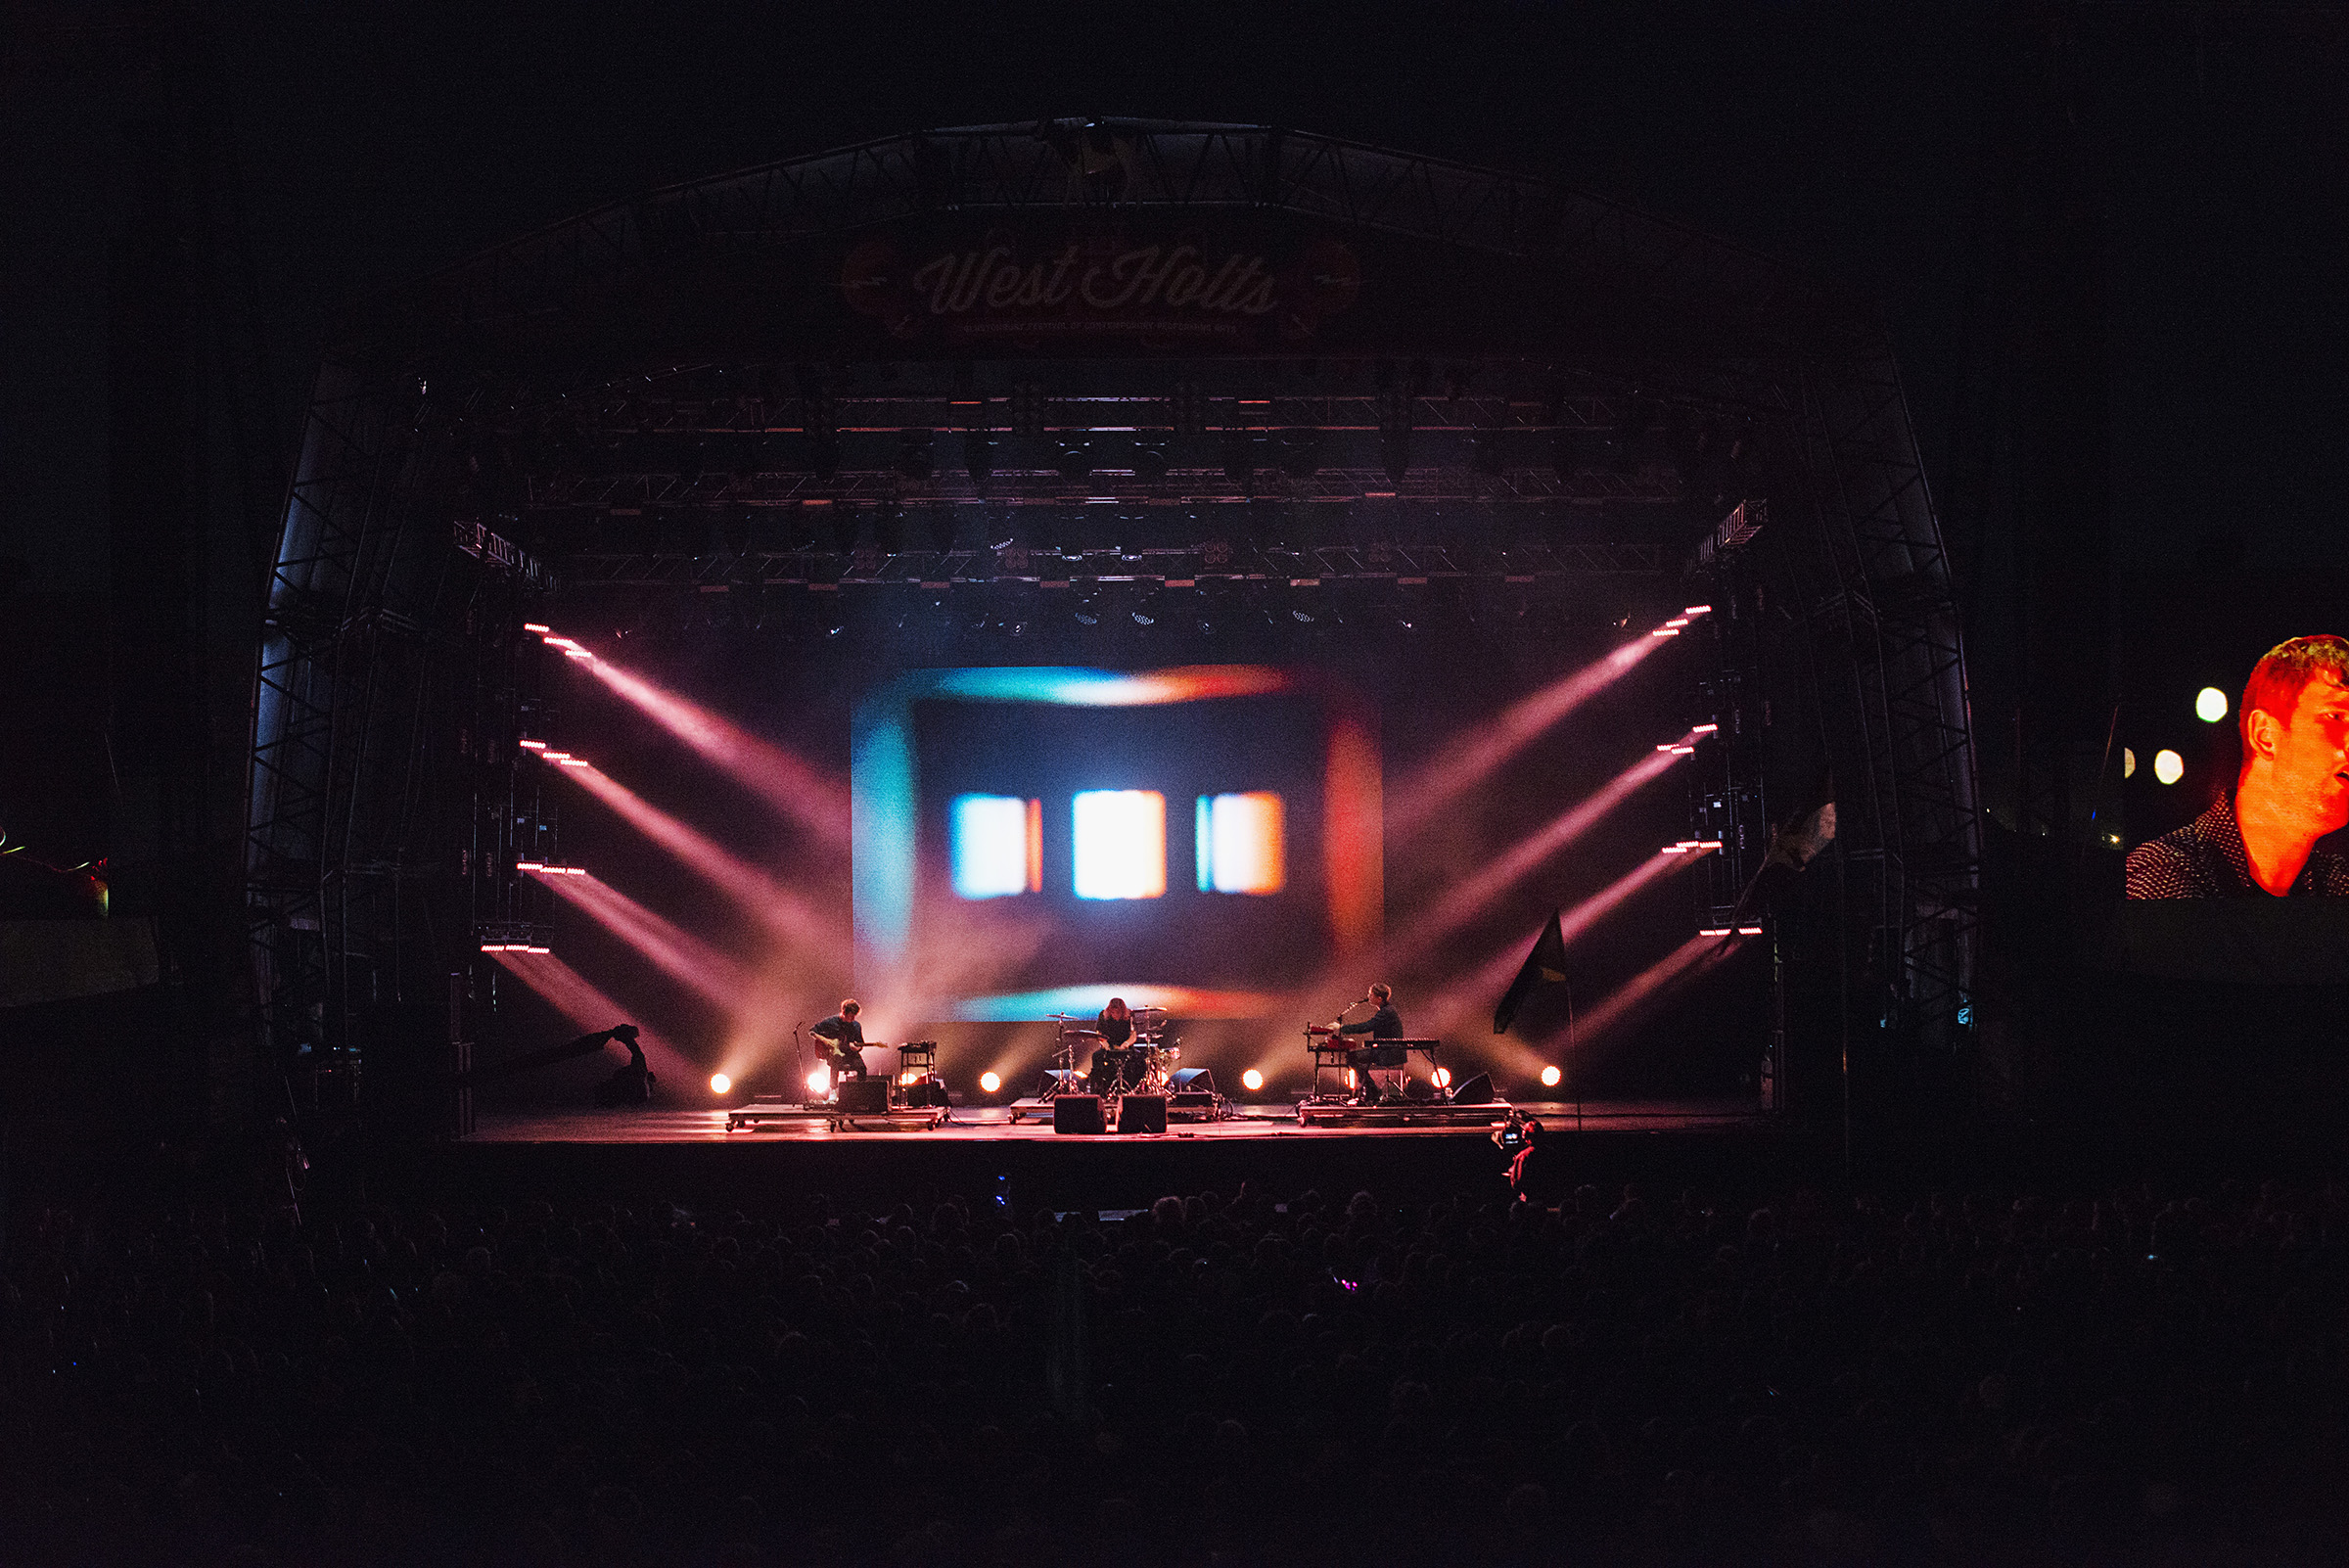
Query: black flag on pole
{"points": [[1545, 965]]}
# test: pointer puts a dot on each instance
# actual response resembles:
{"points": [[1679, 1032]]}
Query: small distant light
{"points": [[1550, 1076], [1676, 849], [819, 1081], [2168, 766], [719, 1084], [534, 950], [1683, 750], [531, 745], [1677, 620], [558, 642], [2210, 705], [988, 1083], [574, 761], [1704, 844], [1698, 610], [532, 626], [1252, 1080], [1705, 730], [530, 865], [1664, 747], [1665, 631], [2128, 763], [552, 757], [1749, 931], [908, 1079], [1712, 931], [577, 653], [494, 947]]}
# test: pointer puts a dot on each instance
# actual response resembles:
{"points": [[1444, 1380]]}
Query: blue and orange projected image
{"points": [[1032, 841]]}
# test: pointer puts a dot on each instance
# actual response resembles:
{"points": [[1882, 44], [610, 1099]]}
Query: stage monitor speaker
{"points": [[1194, 1080], [1477, 1091], [1191, 1102], [1077, 1113], [865, 1096], [1142, 1113]]}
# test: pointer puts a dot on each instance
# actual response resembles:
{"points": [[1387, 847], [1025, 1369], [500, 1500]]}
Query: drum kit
{"points": [[1145, 1064]]}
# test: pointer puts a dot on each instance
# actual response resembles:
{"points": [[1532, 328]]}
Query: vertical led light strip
{"points": [[1121, 844]]}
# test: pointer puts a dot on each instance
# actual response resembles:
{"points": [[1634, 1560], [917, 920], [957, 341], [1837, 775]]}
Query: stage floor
{"points": [[993, 1124]]}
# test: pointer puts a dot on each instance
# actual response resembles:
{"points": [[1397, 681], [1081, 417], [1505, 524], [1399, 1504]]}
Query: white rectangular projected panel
{"points": [[1121, 844]]}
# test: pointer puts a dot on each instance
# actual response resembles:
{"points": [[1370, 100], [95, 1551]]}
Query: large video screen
{"points": [[2236, 782], [1034, 841]]}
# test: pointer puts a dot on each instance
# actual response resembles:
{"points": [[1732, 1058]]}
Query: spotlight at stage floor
{"points": [[1442, 1078], [990, 1083], [1252, 1080], [2168, 766], [1552, 1077], [819, 1081], [2210, 705], [719, 1084]]}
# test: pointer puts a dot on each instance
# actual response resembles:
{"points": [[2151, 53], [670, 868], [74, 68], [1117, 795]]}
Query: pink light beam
{"points": [[579, 1001], [760, 896], [1445, 782], [1524, 857], [678, 953], [783, 781]]}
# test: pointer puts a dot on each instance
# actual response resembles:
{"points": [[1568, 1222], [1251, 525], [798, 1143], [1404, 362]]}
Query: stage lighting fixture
{"points": [[1665, 631], [1442, 1078], [1695, 610], [1713, 931], [1677, 620], [1252, 1080], [719, 1084], [819, 1081], [577, 653], [573, 761], [1705, 730], [2210, 705], [532, 626], [988, 1083], [531, 745], [1749, 931], [1550, 1076], [2128, 763], [2168, 766], [530, 865]]}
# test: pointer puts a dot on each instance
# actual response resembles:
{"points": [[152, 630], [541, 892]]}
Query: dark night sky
{"points": [[378, 141]]}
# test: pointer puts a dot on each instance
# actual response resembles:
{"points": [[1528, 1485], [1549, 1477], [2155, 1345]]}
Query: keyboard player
{"points": [[1386, 1023]]}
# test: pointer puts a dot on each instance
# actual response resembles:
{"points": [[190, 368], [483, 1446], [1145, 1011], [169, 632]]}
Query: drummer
{"points": [[1114, 1067]]}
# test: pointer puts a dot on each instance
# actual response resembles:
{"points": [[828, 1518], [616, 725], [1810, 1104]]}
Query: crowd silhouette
{"points": [[1791, 1376]]}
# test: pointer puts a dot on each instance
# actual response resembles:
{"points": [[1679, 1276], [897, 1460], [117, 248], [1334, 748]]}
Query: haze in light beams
{"points": [[571, 995], [1690, 956], [1466, 899], [1491, 745], [760, 896], [677, 953], [801, 792]]}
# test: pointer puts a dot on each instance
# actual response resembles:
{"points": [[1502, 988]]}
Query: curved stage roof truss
{"points": [[382, 643]]}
